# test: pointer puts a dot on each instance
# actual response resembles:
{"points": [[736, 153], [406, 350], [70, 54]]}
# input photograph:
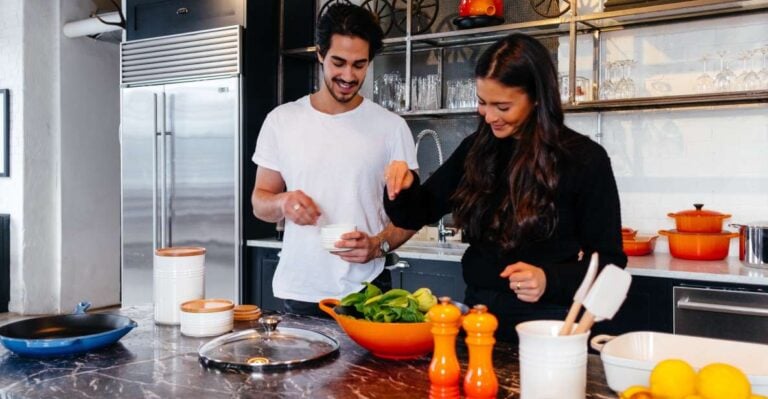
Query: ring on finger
{"points": [[517, 286], [296, 207]]}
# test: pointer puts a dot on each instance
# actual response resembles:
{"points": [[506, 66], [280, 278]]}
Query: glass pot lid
{"points": [[267, 348]]}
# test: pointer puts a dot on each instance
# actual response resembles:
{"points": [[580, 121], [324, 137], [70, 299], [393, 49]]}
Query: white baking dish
{"points": [[629, 358]]}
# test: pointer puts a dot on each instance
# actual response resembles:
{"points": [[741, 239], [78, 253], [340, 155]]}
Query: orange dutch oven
{"points": [[699, 246], [699, 220]]}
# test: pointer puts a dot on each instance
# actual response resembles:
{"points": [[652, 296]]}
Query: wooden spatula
{"points": [[578, 298], [605, 297]]}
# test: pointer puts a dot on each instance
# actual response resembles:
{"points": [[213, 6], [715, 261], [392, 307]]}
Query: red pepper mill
{"points": [[444, 369], [480, 381]]}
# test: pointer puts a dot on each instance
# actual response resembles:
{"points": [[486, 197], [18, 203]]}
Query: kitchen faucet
{"points": [[442, 231]]}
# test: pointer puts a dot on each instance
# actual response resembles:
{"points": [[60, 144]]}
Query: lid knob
{"points": [[270, 322], [698, 206]]}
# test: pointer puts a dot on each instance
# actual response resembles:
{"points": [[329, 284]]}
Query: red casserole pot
{"points": [[698, 220], [699, 246]]}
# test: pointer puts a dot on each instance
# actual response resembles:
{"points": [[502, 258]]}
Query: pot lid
{"points": [[268, 348], [699, 212]]}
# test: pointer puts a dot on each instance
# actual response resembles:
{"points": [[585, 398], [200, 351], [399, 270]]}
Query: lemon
{"points": [[693, 397], [722, 381], [673, 379], [630, 392], [758, 397]]}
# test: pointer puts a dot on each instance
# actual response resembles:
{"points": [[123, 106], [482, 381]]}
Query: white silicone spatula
{"points": [[581, 293], [605, 297]]}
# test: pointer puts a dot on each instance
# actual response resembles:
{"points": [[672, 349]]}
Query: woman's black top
{"points": [[588, 220]]}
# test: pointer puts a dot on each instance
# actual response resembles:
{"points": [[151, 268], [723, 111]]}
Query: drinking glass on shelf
{"points": [[724, 78], [763, 74], [705, 83], [608, 87], [747, 79], [564, 88], [626, 86]]}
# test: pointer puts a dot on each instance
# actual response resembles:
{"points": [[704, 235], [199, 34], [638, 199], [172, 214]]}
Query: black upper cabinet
{"points": [[152, 18]]}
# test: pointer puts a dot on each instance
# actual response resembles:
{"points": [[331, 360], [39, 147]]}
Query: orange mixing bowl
{"points": [[385, 340]]}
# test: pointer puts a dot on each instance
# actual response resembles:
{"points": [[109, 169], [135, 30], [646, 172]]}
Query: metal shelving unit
{"points": [[572, 24]]}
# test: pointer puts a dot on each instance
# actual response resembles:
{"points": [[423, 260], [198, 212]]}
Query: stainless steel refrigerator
{"points": [[180, 163]]}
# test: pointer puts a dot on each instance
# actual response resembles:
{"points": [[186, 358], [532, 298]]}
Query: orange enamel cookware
{"points": [[385, 340], [639, 245], [699, 246], [628, 233], [699, 220]]}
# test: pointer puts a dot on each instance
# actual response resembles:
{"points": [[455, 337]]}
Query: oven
{"points": [[734, 314]]}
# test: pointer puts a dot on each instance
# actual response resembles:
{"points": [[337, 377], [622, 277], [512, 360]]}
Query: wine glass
{"points": [[724, 78], [747, 79], [626, 86], [608, 88], [705, 83], [763, 74]]}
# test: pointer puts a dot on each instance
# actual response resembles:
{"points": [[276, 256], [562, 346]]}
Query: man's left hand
{"points": [[364, 247]]}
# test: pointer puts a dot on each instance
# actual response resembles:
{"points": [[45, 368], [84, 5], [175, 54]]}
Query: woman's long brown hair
{"points": [[524, 210]]}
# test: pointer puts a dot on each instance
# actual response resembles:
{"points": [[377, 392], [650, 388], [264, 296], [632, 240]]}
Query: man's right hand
{"points": [[299, 208], [398, 177]]}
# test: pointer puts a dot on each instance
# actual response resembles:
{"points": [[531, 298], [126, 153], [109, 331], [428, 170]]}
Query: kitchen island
{"points": [[158, 362]]}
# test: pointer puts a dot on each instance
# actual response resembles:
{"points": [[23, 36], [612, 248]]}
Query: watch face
{"points": [[384, 246]]}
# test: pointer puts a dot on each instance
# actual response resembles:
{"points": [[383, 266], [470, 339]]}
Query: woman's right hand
{"points": [[398, 177]]}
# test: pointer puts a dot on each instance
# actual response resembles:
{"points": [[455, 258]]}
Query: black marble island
{"points": [[158, 362]]}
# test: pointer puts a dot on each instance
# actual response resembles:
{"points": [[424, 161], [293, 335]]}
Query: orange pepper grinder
{"points": [[444, 369], [480, 381]]}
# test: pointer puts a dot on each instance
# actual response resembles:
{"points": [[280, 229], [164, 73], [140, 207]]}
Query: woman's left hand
{"points": [[526, 280]]}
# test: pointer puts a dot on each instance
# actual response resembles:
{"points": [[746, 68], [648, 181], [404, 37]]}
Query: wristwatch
{"points": [[383, 246]]}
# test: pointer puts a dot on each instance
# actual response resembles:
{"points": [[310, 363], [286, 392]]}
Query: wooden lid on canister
{"points": [[180, 251], [207, 306]]}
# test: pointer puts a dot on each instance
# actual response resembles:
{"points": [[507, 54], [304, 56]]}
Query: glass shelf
{"points": [[680, 101], [594, 22], [680, 11]]}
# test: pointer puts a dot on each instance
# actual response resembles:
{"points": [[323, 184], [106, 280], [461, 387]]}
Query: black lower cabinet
{"points": [[442, 277], [648, 307], [258, 278]]}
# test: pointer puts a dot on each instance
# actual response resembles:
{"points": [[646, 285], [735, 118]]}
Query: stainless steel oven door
{"points": [[721, 313]]}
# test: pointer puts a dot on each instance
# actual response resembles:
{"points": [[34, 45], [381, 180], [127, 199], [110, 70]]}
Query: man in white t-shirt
{"points": [[319, 162]]}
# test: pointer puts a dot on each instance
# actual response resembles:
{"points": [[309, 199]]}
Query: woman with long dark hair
{"points": [[535, 199]]}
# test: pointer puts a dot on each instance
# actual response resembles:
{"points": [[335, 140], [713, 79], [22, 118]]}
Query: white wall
{"points": [[90, 165], [63, 194], [666, 160], [11, 77]]}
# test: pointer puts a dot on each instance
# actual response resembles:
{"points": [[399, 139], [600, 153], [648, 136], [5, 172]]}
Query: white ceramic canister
{"points": [[207, 317], [178, 277]]}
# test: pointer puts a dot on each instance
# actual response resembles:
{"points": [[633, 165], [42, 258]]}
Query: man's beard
{"points": [[329, 83]]}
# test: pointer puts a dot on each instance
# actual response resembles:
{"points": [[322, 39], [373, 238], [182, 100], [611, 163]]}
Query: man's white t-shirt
{"points": [[339, 161]]}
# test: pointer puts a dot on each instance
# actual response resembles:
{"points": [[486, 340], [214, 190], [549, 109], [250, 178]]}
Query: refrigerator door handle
{"points": [[170, 189], [163, 182], [156, 133]]}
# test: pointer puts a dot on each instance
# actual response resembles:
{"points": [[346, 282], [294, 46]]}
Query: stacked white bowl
{"points": [[331, 233], [178, 277], [207, 317]]}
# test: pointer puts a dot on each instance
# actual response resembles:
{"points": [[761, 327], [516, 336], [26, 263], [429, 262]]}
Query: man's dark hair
{"points": [[348, 20]]}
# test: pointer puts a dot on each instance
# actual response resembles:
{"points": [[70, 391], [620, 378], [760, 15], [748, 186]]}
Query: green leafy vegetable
{"points": [[395, 305]]}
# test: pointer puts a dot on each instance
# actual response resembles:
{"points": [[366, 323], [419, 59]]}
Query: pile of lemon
{"points": [[676, 379]]}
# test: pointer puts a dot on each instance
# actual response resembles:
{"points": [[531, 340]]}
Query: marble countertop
{"points": [[729, 270], [158, 362]]}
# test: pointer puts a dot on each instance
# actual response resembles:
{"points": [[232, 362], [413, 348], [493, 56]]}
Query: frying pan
{"points": [[66, 334]]}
